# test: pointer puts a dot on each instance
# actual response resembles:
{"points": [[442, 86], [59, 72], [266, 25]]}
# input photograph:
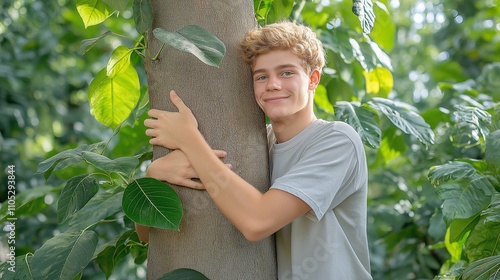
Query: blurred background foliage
{"points": [[443, 62]]}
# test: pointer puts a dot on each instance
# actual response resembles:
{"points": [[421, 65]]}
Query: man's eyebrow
{"points": [[279, 67]]}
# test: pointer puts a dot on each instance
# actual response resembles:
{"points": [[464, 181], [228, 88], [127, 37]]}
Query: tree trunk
{"points": [[229, 118]]}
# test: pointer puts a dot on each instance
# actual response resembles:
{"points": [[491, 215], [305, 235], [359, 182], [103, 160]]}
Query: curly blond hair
{"points": [[300, 39]]}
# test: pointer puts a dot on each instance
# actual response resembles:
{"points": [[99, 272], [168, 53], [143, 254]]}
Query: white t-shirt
{"points": [[325, 166]]}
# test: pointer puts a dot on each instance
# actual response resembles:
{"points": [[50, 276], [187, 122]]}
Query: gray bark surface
{"points": [[229, 118]]}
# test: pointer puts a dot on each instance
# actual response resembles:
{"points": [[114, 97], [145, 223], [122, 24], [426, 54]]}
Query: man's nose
{"points": [[273, 83]]}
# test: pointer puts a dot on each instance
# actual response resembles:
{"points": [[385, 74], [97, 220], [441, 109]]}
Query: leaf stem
{"points": [[156, 56]]}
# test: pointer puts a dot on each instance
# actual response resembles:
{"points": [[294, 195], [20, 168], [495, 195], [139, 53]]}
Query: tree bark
{"points": [[229, 118]]}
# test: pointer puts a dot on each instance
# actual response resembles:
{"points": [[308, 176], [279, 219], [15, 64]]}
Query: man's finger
{"points": [[220, 153], [177, 101], [154, 113]]}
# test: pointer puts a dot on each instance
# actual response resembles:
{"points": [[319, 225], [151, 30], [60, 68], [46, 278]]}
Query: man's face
{"points": [[281, 85]]}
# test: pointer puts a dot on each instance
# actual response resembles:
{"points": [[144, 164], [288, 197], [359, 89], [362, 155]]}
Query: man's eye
{"points": [[261, 78], [287, 73]]}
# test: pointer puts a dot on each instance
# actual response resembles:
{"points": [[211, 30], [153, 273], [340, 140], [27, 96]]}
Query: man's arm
{"points": [[255, 214]]}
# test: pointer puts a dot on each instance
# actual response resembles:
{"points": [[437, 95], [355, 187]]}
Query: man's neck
{"points": [[286, 129]]}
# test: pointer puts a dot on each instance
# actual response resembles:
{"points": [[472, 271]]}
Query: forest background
{"points": [[424, 85]]}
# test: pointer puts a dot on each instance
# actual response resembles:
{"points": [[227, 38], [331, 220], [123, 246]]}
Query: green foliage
{"points": [[424, 100]]}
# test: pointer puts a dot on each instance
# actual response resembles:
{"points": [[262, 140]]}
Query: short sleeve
{"points": [[325, 174]]}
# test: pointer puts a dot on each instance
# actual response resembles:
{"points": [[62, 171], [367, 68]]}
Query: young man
{"points": [[317, 201]]}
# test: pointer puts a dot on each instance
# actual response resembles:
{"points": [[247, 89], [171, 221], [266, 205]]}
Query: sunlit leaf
{"points": [[143, 17], [119, 60], [364, 10], [93, 12], [87, 44], [455, 248], [460, 227], [406, 120], [384, 59], [383, 28], [362, 118], [124, 165], [195, 40], [183, 273], [112, 99], [337, 40], [75, 194], [150, 202], [321, 100], [65, 255], [474, 116], [378, 82]]}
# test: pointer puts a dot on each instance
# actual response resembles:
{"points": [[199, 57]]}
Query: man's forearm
{"points": [[239, 201]]}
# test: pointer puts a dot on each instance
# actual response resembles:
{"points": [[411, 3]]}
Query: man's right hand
{"points": [[175, 168]]}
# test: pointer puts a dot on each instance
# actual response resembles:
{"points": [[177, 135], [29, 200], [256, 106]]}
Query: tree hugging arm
{"points": [[255, 214]]}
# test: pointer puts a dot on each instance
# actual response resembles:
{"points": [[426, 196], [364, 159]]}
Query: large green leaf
{"points": [[484, 269], [383, 29], [337, 40], [379, 81], [474, 116], [150, 202], [27, 203], [75, 194], [364, 10], [339, 90], [183, 273], [123, 165], [463, 199], [321, 99], [484, 240], [195, 40], [454, 170], [65, 255], [460, 227], [362, 118], [101, 206], [93, 12], [119, 60], [66, 158], [114, 253], [112, 99], [20, 271], [143, 17], [87, 44], [492, 152], [405, 119]]}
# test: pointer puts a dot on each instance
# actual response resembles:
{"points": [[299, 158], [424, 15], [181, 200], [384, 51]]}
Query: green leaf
{"points": [[406, 120], [101, 206], [455, 170], [27, 203], [119, 60], [123, 165], [112, 99], [66, 158], [143, 17], [364, 10], [339, 90], [114, 253], [337, 40], [75, 194], [21, 269], [383, 29], [460, 227], [475, 116], [262, 8], [321, 100], [492, 152], [93, 12], [150, 202], [65, 255], [384, 59], [119, 5], [454, 248], [183, 273], [379, 81], [87, 44], [362, 118], [484, 239], [463, 199], [195, 40], [483, 269]]}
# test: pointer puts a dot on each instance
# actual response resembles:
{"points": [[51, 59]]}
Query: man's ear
{"points": [[314, 79]]}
